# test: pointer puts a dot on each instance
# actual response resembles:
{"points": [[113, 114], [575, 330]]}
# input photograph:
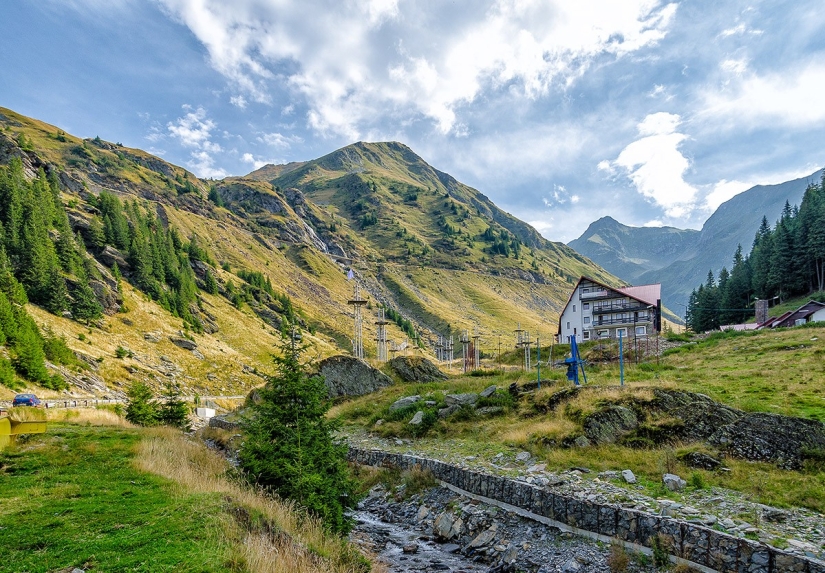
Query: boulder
{"points": [[609, 424], [701, 461], [404, 402], [349, 376], [416, 369], [673, 482], [447, 526], [628, 476], [110, 257], [468, 399], [781, 440], [417, 419], [488, 391], [184, 343]]}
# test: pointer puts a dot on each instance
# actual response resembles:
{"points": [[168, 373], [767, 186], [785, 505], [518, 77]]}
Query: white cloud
{"points": [[194, 130], [280, 141], [792, 97], [350, 59], [654, 223], [258, 162], [656, 166], [724, 190], [238, 101]]}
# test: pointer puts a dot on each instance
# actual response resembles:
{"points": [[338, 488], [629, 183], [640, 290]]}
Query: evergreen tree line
{"points": [[43, 254], [785, 261], [160, 261], [144, 410], [402, 322]]}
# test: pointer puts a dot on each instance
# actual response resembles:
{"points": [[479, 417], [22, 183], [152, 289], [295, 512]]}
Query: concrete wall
{"points": [[700, 545]]}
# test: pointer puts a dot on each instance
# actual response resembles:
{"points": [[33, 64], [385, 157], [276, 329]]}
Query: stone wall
{"points": [[700, 545]]}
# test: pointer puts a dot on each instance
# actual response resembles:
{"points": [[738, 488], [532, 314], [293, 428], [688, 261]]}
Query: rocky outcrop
{"points": [[771, 438], [416, 369], [349, 376], [609, 424]]}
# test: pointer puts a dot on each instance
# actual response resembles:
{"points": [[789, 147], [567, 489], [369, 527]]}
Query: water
{"points": [[387, 541]]}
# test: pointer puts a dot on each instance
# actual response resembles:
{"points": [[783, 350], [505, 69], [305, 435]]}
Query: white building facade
{"points": [[595, 310]]}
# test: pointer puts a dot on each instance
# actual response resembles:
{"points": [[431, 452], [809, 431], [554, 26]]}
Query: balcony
{"points": [[602, 321], [617, 306], [595, 294]]}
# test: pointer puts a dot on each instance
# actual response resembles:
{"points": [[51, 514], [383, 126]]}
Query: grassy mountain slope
{"points": [[437, 251], [632, 253]]}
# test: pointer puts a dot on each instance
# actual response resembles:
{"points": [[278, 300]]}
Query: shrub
{"points": [[618, 560], [174, 411], [697, 480], [659, 545]]}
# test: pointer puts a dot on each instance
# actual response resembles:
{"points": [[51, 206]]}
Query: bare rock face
{"points": [[416, 369], [349, 376], [771, 438], [609, 424]]}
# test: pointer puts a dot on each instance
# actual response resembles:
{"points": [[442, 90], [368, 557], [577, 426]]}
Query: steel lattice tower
{"points": [[358, 336]]}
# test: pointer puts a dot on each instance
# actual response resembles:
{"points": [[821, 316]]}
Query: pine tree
{"points": [[288, 446], [210, 284], [141, 409], [84, 305], [174, 412]]}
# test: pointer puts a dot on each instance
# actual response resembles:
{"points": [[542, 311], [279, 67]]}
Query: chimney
{"points": [[761, 311]]}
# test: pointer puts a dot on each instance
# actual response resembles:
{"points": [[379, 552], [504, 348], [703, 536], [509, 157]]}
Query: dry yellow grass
{"points": [[305, 547], [90, 416]]}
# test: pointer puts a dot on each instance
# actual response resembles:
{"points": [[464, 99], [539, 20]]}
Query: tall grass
{"points": [[306, 545]]}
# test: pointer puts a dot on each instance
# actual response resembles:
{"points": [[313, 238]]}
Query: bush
{"points": [[618, 560], [174, 411], [661, 550]]}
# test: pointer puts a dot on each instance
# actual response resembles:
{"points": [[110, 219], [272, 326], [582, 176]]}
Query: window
{"points": [[586, 334], [585, 290], [568, 326], [641, 330], [604, 334], [587, 320], [621, 333], [585, 306], [574, 308]]}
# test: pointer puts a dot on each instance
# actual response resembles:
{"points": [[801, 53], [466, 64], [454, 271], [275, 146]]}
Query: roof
{"points": [[650, 294], [790, 317]]}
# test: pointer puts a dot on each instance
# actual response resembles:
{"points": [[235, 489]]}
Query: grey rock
{"points": [[349, 376], [781, 440], [523, 456], [484, 538], [404, 402], [489, 410], [571, 566], [488, 391], [609, 424], [447, 526], [448, 411], [416, 369], [151, 336], [700, 460], [628, 476], [410, 548], [467, 399], [673, 482], [417, 419], [423, 513], [184, 343], [450, 548], [581, 442], [197, 354]]}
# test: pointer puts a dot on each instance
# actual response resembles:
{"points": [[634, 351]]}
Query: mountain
{"points": [[212, 270], [629, 252], [681, 259]]}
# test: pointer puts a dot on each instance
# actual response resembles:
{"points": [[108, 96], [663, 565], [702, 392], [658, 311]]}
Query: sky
{"points": [[561, 112]]}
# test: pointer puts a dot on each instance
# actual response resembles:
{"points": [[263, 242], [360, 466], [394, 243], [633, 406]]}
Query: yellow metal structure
{"points": [[10, 429]]}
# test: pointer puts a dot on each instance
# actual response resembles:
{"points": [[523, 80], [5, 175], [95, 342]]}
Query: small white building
{"points": [[595, 310]]}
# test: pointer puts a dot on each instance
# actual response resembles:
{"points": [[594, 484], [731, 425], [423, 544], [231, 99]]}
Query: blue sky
{"points": [[561, 112]]}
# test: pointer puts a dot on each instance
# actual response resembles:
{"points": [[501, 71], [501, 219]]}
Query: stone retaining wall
{"points": [[218, 422], [695, 543]]}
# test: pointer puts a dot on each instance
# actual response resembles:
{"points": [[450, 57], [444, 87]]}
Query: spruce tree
{"points": [[174, 412], [141, 409], [288, 446], [84, 305]]}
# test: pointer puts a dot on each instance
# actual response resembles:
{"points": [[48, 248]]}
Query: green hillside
{"points": [[226, 264]]}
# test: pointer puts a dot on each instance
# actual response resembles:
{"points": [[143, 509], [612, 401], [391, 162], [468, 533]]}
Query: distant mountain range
{"points": [[680, 258]]}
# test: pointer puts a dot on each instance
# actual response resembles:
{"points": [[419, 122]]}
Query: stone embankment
{"points": [[698, 544]]}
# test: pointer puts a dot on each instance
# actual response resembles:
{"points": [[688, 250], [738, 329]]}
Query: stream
{"points": [[387, 542]]}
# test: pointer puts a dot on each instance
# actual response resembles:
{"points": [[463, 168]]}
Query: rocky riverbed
{"points": [[798, 530], [439, 530]]}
